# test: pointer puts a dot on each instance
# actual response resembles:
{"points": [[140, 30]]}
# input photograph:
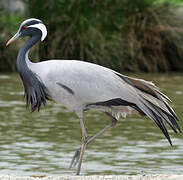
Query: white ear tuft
{"points": [[42, 28]]}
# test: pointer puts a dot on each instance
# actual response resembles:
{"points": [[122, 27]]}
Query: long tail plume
{"points": [[154, 104]]}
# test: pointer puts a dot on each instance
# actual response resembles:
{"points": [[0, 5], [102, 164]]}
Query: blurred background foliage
{"points": [[8, 24], [135, 35]]}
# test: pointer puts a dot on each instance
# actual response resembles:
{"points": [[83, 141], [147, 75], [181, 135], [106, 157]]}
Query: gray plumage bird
{"points": [[82, 86]]}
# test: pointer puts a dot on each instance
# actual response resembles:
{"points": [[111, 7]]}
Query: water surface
{"points": [[44, 142]]}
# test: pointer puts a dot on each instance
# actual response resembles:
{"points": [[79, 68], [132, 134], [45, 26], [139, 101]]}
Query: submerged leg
{"points": [[83, 147], [78, 151]]}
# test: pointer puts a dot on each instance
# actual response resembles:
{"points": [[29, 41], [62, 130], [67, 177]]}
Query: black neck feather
{"points": [[35, 91]]}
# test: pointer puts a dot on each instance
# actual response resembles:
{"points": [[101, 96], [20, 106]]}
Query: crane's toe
{"points": [[75, 158]]}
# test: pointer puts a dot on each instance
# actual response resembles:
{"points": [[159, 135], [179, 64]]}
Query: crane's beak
{"points": [[15, 37]]}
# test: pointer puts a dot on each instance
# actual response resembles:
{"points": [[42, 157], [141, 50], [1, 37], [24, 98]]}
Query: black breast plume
{"points": [[35, 91]]}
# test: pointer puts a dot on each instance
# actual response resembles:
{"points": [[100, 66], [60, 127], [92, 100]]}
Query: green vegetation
{"points": [[8, 26], [138, 35]]}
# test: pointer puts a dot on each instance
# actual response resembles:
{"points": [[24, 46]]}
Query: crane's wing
{"points": [[93, 85]]}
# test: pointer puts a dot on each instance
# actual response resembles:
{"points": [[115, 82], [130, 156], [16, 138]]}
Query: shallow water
{"points": [[44, 142]]}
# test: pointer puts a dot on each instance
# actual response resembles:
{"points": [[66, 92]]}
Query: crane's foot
{"points": [[75, 158]]}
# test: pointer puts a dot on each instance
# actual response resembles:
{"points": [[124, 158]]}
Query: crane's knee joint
{"points": [[113, 121], [85, 139]]}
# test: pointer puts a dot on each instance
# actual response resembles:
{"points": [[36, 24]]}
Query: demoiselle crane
{"points": [[82, 86]]}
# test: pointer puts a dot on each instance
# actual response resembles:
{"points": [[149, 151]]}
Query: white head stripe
{"points": [[42, 28], [31, 19]]}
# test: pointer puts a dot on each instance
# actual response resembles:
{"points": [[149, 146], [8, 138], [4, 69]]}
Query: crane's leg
{"points": [[83, 147], [78, 151]]}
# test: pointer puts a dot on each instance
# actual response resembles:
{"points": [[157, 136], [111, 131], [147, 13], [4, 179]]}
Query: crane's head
{"points": [[30, 27]]}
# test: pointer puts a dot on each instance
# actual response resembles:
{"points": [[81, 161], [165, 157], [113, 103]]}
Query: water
{"points": [[44, 142]]}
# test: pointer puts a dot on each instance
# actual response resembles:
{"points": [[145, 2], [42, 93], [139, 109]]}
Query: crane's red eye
{"points": [[25, 27]]}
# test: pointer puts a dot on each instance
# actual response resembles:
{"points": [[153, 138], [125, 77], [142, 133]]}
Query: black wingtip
{"points": [[170, 142]]}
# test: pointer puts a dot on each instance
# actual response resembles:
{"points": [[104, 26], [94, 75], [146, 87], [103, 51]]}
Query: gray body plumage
{"points": [[89, 83]]}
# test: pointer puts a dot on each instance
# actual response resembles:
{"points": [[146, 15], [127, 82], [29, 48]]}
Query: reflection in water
{"points": [[44, 142]]}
